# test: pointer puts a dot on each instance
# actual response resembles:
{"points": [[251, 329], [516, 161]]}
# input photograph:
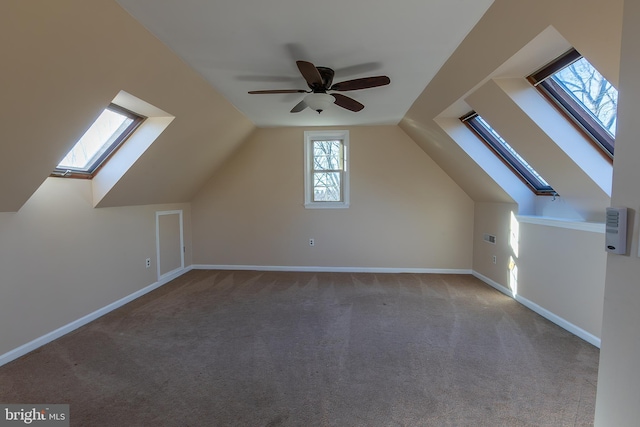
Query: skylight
{"points": [[507, 153], [104, 136], [592, 90], [582, 92]]}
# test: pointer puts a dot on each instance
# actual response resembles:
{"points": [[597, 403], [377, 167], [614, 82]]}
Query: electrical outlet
{"points": [[494, 259], [147, 262], [312, 242]]}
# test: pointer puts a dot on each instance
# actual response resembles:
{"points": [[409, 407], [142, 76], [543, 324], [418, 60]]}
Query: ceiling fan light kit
{"points": [[320, 80], [319, 101]]}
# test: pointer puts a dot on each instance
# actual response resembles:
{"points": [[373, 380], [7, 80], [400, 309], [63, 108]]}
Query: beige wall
{"points": [[61, 259], [619, 373], [66, 61], [495, 102], [170, 247], [405, 211], [563, 270], [559, 269], [593, 27], [492, 218]]}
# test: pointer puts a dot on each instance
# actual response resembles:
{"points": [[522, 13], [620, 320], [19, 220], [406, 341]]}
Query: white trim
{"points": [[493, 284], [309, 137], [577, 331], [564, 324], [594, 227], [63, 330], [326, 205], [316, 269], [47, 338], [169, 273]]}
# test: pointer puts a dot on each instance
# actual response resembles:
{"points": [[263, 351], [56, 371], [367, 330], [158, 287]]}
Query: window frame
{"points": [[97, 164], [329, 135], [568, 106], [520, 170]]}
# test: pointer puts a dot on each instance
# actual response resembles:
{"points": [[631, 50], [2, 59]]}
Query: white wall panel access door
{"points": [[169, 242]]}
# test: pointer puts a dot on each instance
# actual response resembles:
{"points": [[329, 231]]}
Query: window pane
{"points": [[327, 155], [507, 153], [583, 94], [326, 175], [589, 88], [326, 187], [513, 152], [107, 127]]}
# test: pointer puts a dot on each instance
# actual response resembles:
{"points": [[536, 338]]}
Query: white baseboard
{"points": [[577, 331], [564, 324], [313, 269], [47, 338], [38, 342], [494, 284]]}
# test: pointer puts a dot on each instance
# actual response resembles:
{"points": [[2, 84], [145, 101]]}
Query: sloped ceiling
{"points": [[492, 50], [66, 60], [63, 62], [245, 45]]}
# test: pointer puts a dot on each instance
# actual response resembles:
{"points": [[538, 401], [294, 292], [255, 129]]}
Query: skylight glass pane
{"points": [[98, 138], [501, 148], [513, 152], [592, 91]]}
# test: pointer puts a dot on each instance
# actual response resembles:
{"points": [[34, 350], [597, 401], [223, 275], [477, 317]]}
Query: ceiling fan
{"points": [[320, 80]]}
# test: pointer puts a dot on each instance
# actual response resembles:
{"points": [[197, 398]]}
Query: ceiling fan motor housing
{"points": [[327, 79]]}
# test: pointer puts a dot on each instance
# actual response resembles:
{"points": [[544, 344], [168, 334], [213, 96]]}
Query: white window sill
{"points": [[594, 227], [326, 205]]}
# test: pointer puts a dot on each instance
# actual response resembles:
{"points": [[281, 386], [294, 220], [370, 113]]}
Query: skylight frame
{"points": [[574, 110], [106, 152], [516, 163]]}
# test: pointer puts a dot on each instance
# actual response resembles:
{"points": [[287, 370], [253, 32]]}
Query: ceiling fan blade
{"points": [[363, 83], [346, 102], [299, 107], [353, 70], [310, 73], [278, 91]]}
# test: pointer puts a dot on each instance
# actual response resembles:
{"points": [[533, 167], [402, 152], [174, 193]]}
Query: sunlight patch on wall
{"points": [[514, 243], [514, 235], [513, 276]]}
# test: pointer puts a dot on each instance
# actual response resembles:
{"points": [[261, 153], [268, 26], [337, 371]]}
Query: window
{"points": [[100, 141], [507, 154], [326, 174], [582, 93]]}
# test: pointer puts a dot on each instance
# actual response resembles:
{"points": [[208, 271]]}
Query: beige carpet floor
{"points": [[245, 348]]}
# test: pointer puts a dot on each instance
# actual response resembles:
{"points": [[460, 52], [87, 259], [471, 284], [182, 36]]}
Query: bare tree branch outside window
{"points": [[587, 86], [328, 165]]}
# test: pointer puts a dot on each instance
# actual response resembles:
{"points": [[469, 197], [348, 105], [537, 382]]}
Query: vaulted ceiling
{"points": [[244, 45], [195, 60]]}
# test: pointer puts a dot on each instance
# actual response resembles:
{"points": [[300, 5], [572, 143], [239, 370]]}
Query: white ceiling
{"points": [[243, 45]]}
